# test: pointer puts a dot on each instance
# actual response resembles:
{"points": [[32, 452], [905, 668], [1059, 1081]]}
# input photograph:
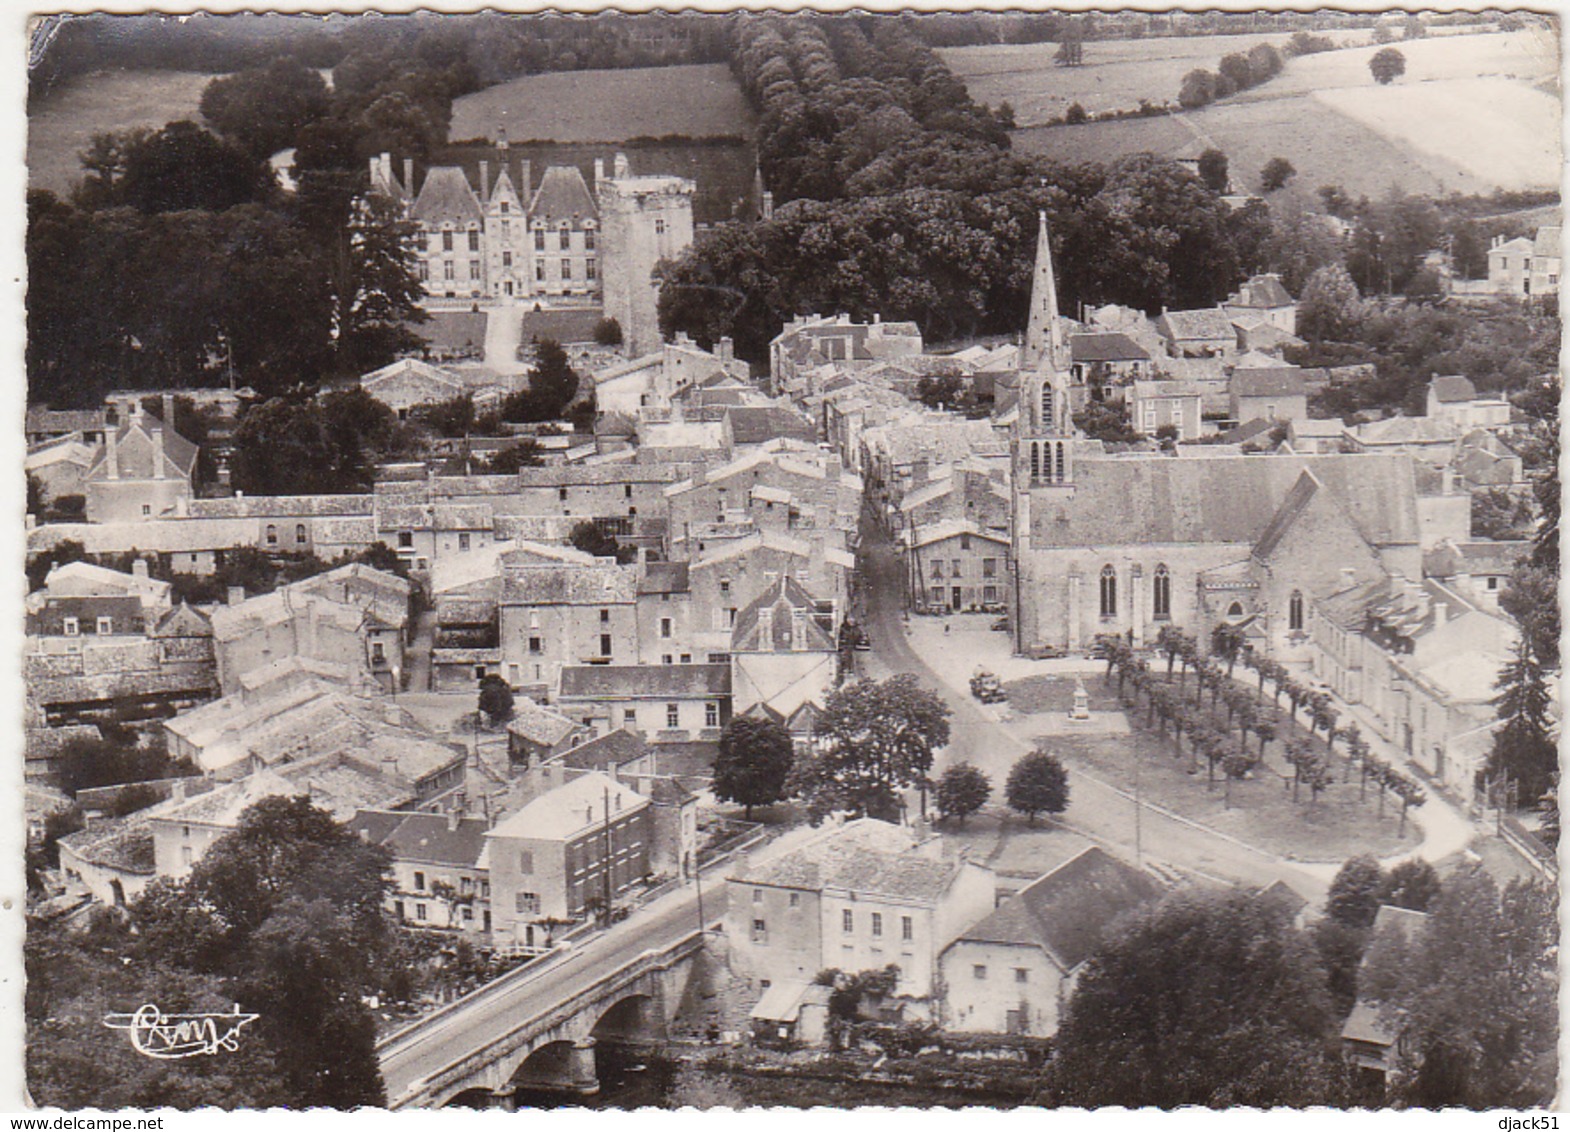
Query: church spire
{"points": [[1043, 332]]}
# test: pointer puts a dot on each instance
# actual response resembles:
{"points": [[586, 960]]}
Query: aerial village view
{"points": [[885, 559]]}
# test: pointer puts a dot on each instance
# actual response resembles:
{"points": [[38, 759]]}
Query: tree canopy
{"points": [[1210, 998], [1037, 784], [1387, 65], [879, 739], [962, 790], [754, 763]]}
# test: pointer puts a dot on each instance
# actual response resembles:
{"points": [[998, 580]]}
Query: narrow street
{"points": [[1095, 809]]}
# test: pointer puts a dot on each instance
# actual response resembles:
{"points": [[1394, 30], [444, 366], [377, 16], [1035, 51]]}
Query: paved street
{"points": [[490, 1013], [1095, 808]]}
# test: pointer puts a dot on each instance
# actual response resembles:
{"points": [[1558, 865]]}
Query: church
{"points": [[1124, 543]]}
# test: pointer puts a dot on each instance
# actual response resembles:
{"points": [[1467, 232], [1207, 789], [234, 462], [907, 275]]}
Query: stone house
{"points": [[858, 896], [665, 703], [1153, 405], [1275, 394], [438, 880], [956, 565], [1014, 971], [143, 471], [554, 616], [783, 651], [1205, 333], [1455, 399]]}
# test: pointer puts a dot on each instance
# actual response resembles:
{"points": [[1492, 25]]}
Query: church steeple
{"points": [[1043, 332]]}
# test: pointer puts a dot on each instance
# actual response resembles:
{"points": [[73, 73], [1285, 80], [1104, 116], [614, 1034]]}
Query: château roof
{"points": [[447, 198], [563, 195]]}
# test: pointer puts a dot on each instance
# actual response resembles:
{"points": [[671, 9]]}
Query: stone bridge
{"points": [[538, 1033]]}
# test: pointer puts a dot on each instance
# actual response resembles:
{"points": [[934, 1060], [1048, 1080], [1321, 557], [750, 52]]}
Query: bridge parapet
{"points": [[493, 1064]]}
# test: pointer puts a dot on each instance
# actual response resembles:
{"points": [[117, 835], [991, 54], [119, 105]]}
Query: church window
{"points": [[474, 240], [588, 240], [539, 239], [1235, 612], [1295, 611], [1047, 418], [1162, 592], [1109, 591], [446, 241], [1035, 461], [1060, 473], [566, 239]]}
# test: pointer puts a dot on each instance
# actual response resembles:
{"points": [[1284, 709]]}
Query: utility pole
{"points": [[1139, 858], [697, 875], [607, 883]]}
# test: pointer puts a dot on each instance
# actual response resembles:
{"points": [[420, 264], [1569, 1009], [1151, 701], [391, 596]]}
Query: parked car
{"points": [[986, 688], [1001, 625]]}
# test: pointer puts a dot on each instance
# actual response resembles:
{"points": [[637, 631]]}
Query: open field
{"points": [[63, 123], [587, 106], [1116, 74], [1469, 116]]}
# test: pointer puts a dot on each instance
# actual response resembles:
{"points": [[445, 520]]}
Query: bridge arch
{"points": [[564, 1065], [634, 1017], [471, 1098]]}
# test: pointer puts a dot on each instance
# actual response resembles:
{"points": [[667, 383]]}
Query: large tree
{"points": [[754, 763], [878, 739], [264, 108], [1210, 998], [1475, 992], [962, 790], [1387, 65], [177, 168], [1356, 892], [1037, 784]]}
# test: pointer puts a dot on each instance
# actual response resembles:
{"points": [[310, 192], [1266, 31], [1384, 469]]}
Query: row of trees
{"points": [[1037, 784], [1237, 71]]}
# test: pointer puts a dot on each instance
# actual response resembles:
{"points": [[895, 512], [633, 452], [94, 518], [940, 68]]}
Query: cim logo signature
{"points": [[170, 1036]]}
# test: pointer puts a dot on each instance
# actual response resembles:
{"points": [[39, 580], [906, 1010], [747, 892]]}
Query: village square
{"points": [[843, 603]]}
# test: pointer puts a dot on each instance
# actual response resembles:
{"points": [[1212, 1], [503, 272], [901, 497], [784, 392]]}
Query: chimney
{"points": [[768, 205], [599, 171], [112, 452], [376, 169], [621, 168], [235, 596], [408, 175], [1441, 613], [454, 816], [139, 568], [390, 764], [523, 182], [485, 181], [1348, 577], [501, 139], [169, 411], [158, 450], [766, 628], [798, 630], [725, 349]]}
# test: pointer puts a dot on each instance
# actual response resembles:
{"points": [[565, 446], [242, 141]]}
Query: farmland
{"points": [[62, 124], [1472, 113], [607, 106], [1116, 74]]}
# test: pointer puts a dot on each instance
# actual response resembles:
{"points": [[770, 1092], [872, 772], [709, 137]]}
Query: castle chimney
{"points": [[169, 411], [622, 169], [139, 568], [599, 171], [112, 452], [725, 349], [408, 175], [501, 139], [1441, 613], [235, 595], [158, 450], [485, 181], [454, 816], [525, 170]]}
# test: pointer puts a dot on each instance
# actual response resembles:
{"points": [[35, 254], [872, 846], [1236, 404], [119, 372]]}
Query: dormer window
{"points": [[72, 627], [106, 626], [504, 208]]}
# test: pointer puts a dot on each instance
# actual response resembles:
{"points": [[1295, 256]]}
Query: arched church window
{"points": [[1035, 460], [1047, 419], [1295, 611], [1161, 592], [1109, 591], [1060, 473], [1235, 612]]}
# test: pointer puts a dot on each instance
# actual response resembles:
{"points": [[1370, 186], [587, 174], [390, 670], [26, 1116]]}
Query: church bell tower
{"points": [[1045, 431]]}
